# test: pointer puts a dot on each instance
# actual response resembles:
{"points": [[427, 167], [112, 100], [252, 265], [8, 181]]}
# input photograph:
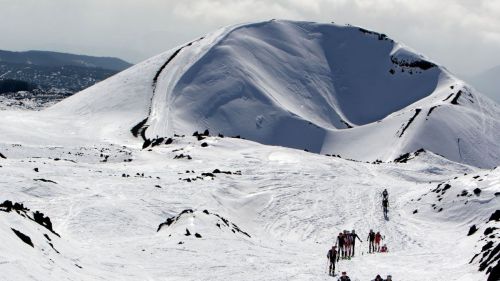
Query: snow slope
{"points": [[322, 87], [290, 204]]}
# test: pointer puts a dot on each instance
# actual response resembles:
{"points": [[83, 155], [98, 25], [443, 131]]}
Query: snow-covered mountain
{"points": [[111, 184], [326, 88]]}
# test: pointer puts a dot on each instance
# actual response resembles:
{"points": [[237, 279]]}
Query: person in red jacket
{"points": [[378, 238], [384, 249]]}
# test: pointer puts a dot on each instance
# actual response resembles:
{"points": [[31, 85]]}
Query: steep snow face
{"points": [[321, 87], [271, 74]]}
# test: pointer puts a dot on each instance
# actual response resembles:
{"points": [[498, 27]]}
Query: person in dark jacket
{"points": [[340, 243], [344, 277], [354, 235], [332, 256], [385, 206], [385, 194], [371, 241]]}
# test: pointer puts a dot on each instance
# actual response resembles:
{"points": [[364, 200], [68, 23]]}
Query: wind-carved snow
{"points": [[326, 88]]}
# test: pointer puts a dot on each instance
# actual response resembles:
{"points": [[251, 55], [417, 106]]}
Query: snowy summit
{"points": [[191, 165]]}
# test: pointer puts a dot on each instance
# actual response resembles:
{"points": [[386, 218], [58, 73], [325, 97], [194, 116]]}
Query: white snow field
{"points": [[131, 198]]}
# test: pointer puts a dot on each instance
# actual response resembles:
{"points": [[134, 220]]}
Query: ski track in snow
{"points": [[292, 203]]}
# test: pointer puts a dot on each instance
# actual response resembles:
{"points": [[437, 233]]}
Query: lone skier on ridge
{"points": [[385, 202]]}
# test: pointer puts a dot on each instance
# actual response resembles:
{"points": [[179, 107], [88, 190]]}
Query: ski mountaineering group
{"points": [[345, 244]]}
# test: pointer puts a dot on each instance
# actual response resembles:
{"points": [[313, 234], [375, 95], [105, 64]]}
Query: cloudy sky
{"points": [[463, 35]]}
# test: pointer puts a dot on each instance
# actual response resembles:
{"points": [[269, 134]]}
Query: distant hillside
{"points": [[55, 59], [35, 79], [10, 85], [487, 82]]}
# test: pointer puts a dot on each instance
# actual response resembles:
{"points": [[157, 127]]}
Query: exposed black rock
{"points": [[448, 97], [472, 230], [25, 238], [217, 171], [495, 216], [455, 99], [477, 191], [39, 218], [171, 220], [494, 272], [403, 158], [346, 124], [226, 223], [45, 180], [155, 78], [2, 156], [489, 230], [417, 111], [7, 205], [422, 64], [204, 144], [157, 142], [432, 109], [180, 156], [136, 130], [197, 235], [147, 142]]}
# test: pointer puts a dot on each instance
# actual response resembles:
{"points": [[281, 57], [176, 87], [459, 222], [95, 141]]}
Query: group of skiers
{"points": [[346, 242], [344, 247]]}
